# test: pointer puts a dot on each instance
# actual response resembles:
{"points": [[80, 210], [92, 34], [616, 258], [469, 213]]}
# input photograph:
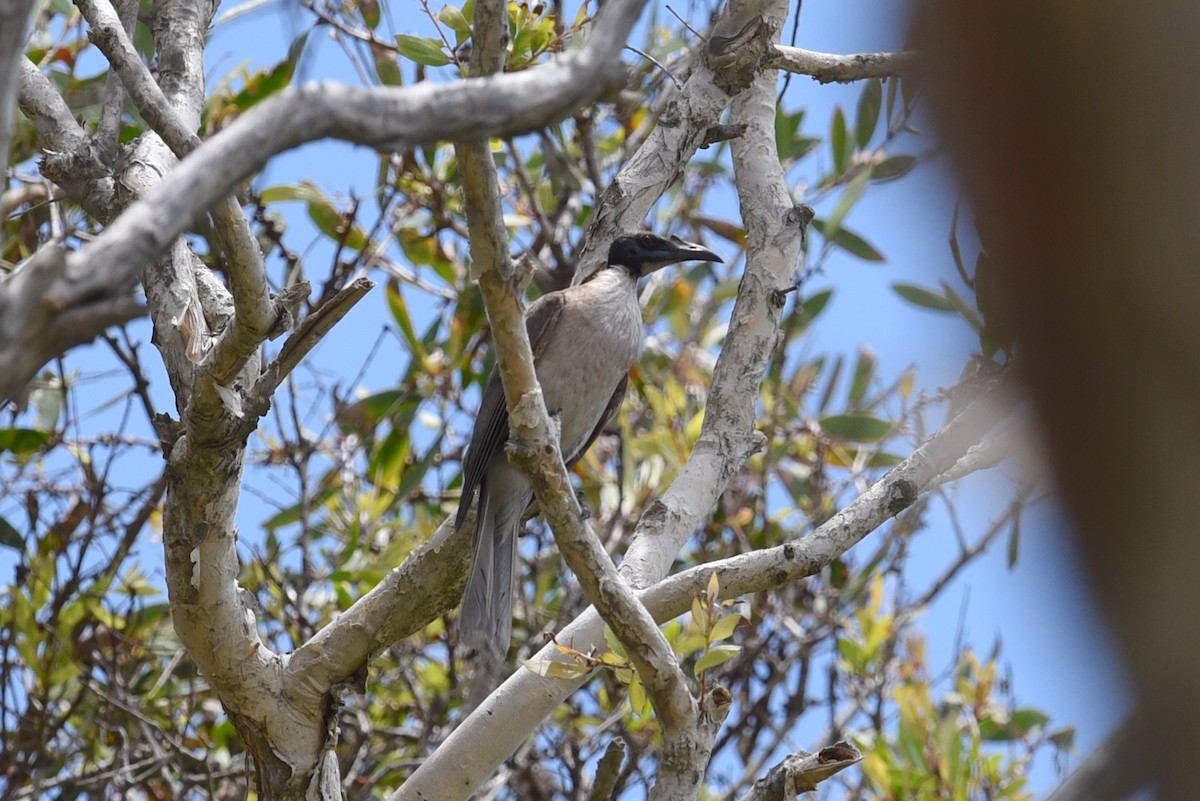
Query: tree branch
{"points": [[108, 34], [108, 129], [254, 314], [33, 332], [14, 23], [801, 772], [378, 117], [306, 336], [831, 68], [70, 161], [495, 729], [533, 444], [608, 770]]}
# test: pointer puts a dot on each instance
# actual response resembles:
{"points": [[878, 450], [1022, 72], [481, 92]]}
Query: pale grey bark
{"points": [[107, 32], [14, 23], [280, 699], [833, 67], [494, 731], [801, 772], [681, 129], [70, 160], [379, 117]]}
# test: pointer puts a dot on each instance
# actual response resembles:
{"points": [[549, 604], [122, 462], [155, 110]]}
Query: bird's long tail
{"points": [[487, 608]]}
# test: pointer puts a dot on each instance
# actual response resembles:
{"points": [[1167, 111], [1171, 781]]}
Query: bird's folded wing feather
{"points": [[491, 423]]}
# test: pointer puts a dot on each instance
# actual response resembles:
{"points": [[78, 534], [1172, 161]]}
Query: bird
{"points": [[585, 339]]}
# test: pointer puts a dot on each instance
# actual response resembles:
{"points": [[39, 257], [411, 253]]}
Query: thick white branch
{"points": [[108, 34], [534, 445], [499, 725], [377, 117]]}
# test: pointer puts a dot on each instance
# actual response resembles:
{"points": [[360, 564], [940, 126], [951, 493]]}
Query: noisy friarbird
{"points": [[585, 339]]}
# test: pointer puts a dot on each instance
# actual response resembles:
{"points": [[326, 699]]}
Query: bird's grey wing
{"points": [[490, 433], [541, 319], [491, 422], [610, 411]]}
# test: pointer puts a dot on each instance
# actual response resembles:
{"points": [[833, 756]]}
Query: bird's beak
{"points": [[676, 250]]}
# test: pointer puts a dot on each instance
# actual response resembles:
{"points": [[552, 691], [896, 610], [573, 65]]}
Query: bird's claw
{"points": [[585, 513]]}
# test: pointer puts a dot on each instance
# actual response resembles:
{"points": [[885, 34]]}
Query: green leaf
{"points": [[717, 655], [23, 441], [815, 304], [864, 371], [853, 192], [1064, 738], [964, 309], [893, 167], [869, 104], [850, 242], [387, 68], [365, 414], [412, 476], [369, 9], [422, 50], [890, 103], [992, 730], [614, 643], [850, 651], [10, 536], [387, 460], [919, 296], [336, 225], [839, 574], [1024, 721], [263, 84], [856, 427], [790, 143], [455, 20], [305, 190], [839, 142], [638, 701], [398, 306]]}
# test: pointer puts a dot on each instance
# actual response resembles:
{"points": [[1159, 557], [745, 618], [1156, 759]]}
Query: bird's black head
{"points": [[642, 253]]}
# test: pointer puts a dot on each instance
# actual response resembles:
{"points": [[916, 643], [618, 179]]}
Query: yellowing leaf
{"points": [[637, 698], [553, 669], [612, 659]]}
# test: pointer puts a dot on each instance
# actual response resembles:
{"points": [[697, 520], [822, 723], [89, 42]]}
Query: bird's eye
{"points": [[646, 239]]}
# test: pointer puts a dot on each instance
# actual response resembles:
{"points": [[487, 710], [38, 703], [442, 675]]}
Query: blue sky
{"points": [[1058, 651]]}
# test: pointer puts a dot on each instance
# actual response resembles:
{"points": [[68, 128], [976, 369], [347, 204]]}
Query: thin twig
{"points": [[656, 63], [305, 338]]}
